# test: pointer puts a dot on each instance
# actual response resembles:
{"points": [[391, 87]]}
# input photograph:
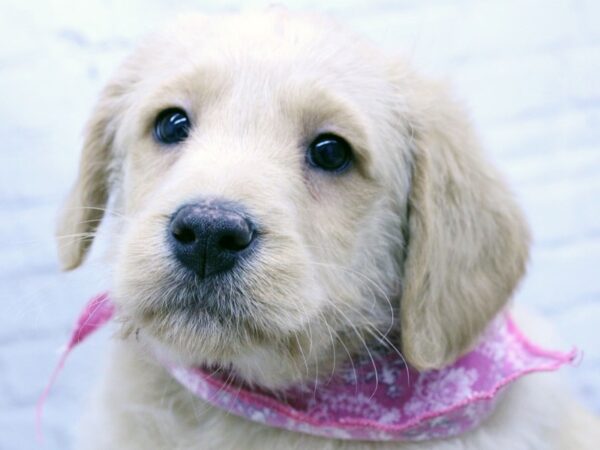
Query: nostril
{"points": [[236, 240], [183, 234]]}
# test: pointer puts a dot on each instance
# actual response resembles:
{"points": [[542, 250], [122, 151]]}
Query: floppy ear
{"points": [[467, 240], [84, 208]]}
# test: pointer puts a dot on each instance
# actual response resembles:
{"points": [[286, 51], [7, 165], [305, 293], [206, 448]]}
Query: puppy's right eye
{"points": [[171, 126]]}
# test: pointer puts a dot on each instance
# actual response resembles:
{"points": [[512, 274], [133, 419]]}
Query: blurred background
{"points": [[527, 69]]}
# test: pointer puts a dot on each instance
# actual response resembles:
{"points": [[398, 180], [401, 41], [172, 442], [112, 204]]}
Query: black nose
{"points": [[209, 238]]}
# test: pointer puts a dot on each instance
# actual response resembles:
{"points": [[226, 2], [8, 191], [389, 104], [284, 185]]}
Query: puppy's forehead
{"points": [[268, 36], [265, 50]]}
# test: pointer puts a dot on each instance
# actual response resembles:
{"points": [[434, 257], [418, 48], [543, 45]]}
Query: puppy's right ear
{"points": [[84, 208]]}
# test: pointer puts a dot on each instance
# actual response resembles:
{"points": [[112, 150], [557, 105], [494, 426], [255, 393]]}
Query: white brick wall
{"points": [[528, 69]]}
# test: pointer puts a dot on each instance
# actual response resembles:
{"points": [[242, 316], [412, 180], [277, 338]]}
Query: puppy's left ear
{"points": [[467, 239]]}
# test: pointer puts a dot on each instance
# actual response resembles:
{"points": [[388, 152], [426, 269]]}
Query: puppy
{"points": [[289, 196]]}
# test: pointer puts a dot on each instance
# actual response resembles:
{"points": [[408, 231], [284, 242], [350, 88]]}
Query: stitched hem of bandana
{"points": [[396, 404]]}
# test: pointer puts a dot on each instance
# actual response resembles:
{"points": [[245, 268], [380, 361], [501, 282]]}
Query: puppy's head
{"points": [[288, 193]]}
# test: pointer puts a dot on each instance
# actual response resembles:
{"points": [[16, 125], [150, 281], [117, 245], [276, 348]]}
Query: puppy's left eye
{"points": [[171, 126], [329, 152]]}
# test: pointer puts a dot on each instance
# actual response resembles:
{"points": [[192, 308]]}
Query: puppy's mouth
{"points": [[220, 298], [201, 304], [212, 318]]}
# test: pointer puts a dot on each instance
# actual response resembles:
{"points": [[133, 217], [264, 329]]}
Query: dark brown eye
{"points": [[329, 152], [171, 126]]}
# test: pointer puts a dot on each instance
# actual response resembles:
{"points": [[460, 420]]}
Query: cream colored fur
{"points": [[419, 244]]}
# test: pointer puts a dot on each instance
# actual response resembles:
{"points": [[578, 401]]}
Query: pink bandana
{"points": [[376, 399]]}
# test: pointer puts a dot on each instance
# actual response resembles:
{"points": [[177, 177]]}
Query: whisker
{"points": [[364, 343], [328, 327], [371, 283], [96, 208], [302, 353]]}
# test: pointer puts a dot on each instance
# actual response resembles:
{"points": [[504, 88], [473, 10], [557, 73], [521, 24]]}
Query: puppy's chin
{"points": [[221, 322], [269, 360], [273, 365]]}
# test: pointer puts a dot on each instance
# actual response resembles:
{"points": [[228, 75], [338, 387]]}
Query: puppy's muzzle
{"points": [[210, 237]]}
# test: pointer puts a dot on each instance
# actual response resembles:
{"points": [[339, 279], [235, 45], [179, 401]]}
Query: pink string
{"points": [[96, 313]]}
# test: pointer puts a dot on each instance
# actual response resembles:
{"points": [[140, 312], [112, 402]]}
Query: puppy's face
{"points": [[289, 195]]}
